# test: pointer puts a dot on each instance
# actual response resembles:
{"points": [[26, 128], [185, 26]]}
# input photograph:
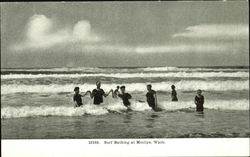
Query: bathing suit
{"points": [[199, 101], [174, 95], [125, 98], [151, 99], [78, 99], [98, 96]]}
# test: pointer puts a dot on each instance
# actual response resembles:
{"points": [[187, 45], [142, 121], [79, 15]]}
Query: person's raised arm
{"points": [[111, 90], [86, 93], [91, 94], [115, 93]]}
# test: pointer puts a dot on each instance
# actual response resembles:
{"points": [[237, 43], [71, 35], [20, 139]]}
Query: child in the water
{"points": [[115, 93], [77, 97], [199, 101], [174, 93]]}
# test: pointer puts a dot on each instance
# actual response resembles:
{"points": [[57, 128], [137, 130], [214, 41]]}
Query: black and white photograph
{"points": [[125, 70]]}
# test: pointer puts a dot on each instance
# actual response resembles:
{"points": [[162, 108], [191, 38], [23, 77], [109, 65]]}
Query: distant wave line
{"points": [[161, 86], [129, 75]]}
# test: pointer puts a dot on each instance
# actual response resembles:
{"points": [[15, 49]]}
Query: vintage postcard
{"points": [[125, 73]]}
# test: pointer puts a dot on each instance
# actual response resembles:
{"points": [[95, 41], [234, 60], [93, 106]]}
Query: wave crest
{"points": [[131, 75], [36, 111], [161, 86]]}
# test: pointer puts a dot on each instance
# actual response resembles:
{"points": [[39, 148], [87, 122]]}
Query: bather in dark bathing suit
{"points": [[174, 95], [125, 98], [78, 99], [199, 101], [98, 96], [114, 95], [151, 99]]}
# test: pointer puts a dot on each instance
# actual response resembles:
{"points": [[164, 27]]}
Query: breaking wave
{"points": [[38, 111], [219, 69], [161, 86], [128, 69], [131, 75]]}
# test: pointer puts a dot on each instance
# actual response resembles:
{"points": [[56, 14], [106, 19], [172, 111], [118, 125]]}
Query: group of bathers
{"points": [[98, 93]]}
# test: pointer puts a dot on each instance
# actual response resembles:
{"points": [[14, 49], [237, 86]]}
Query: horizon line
{"points": [[121, 67]]}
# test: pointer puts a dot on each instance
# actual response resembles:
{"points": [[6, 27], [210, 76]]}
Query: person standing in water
{"points": [[77, 97], [124, 96], [174, 93], [199, 101], [115, 93], [151, 97], [98, 94]]}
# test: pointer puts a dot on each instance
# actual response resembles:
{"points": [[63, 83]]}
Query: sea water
{"points": [[38, 103]]}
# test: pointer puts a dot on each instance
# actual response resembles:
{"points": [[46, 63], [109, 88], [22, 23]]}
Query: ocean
{"points": [[38, 103]]}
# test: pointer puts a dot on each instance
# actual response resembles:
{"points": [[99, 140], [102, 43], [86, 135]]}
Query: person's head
{"points": [[98, 84], [76, 90], [199, 92], [122, 89], [117, 87], [149, 86], [173, 87]]}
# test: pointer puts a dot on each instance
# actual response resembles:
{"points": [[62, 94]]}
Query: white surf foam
{"points": [[135, 106], [130, 75], [164, 69], [192, 69], [161, 86], [31, 111], [35, 111], [63, 69], [242, 104]]}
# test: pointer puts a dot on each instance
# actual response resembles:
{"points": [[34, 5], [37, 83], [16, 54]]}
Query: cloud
{"points": [[183, 48], [168, 48], [41, 34], [108, 48], [218, 38], [82, 32], [222, 31]]}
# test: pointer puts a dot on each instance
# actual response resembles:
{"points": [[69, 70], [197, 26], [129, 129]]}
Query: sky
{"points": [[124, 34]]}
